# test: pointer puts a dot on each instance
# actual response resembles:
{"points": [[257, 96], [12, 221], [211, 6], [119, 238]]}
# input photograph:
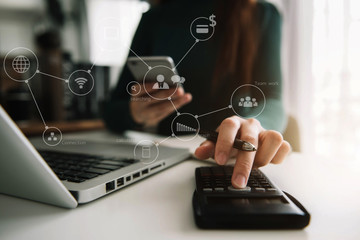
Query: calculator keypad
{"points": [[218, 180]]}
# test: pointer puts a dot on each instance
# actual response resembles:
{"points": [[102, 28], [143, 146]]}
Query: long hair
{"points": [[238, 42], [238, 38]]}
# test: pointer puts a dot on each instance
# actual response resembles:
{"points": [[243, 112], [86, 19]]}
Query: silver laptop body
{"points": [[24, 173]]}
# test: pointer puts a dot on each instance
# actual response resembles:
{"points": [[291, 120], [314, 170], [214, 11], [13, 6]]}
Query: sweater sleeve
{"points": [[267, 69], [117, 114]]}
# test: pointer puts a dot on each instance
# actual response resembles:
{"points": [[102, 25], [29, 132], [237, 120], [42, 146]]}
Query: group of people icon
{"points": [[248, 102]]}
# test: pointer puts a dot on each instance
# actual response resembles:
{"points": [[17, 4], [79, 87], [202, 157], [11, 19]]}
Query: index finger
{"points": [[227, 133], [244, 160]]}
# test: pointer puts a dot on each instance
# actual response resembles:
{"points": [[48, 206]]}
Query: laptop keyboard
{"points": [[78, 168]]}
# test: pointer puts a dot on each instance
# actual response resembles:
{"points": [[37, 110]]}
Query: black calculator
{"points": [[260, 205]]}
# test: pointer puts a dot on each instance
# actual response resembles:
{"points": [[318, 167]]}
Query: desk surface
{"points": [[160, 207]]}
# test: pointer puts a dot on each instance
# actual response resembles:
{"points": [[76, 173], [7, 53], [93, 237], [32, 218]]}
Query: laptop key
{"points": [[76, 180], [130, 161], [62, 166], [85, 164], [71, 173], [61, 177], [97, 170], [81, 167], [87, 175], [107, 167], [118, 159], [74, 167], [90, 160], [108, 162]]}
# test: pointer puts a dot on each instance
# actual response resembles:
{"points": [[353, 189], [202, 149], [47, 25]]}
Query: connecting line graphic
{"points": [[213, 23], [164, 140], [96, 59], [92, 65], [221, 109], [37, 106], [52, 76], [139, 58], [173, 105], [196, 41]]}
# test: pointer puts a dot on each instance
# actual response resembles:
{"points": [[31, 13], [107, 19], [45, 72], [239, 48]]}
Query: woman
{"points": [[245, 49]]}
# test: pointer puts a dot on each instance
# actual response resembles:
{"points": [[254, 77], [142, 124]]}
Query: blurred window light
{"points": [[112, 25], [336, 73]]}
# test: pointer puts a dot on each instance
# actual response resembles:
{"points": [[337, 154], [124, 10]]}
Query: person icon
{"points": [[248, 102], [161, 84], [255, 104], [241, 103]]}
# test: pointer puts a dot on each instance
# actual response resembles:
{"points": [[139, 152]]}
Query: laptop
{"points": [[67, 175]]}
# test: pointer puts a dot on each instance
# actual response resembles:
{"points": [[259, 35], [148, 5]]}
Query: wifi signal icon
{"points": [[81, 82]]}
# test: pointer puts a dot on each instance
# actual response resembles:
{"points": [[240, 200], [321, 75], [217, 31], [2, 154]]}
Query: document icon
{"points": [[145, 153]]}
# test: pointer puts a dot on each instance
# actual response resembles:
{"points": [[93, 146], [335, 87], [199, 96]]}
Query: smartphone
{"points": [[162, 66]]}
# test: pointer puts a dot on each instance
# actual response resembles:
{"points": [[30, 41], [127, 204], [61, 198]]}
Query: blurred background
{"points": [[320, 58]]}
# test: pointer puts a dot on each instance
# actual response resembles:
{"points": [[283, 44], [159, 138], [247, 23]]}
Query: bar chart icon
{"points": [[183, 128]]}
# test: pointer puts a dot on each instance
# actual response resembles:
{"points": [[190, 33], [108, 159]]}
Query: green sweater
{"points": [[164, 31]]}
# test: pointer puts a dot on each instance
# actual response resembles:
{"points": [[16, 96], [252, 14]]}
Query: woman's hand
{"points": [[149, 112], [269, 144]]}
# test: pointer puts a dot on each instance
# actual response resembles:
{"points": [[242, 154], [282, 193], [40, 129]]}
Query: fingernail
{"points": [[180, 91], [240, 181], [206, 143], [221, 158]]}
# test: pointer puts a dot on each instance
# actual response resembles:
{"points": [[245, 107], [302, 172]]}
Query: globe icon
{"points": [[21, 64]]}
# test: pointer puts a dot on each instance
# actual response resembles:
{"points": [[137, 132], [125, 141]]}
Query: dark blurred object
{"points": [[50, 89], [49, 40], [67, 69], [56, 102], [37, 128], [18, 104], [14, 96], [89, 106], [55, 11]]}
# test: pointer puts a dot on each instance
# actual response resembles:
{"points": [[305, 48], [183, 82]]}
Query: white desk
{"points": [[160, 207]]}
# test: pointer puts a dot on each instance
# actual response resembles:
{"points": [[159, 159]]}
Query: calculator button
{"points": [[207, 189], [260, 189], [205, 172], [271, 189], [219, 189], [219, 186], [245, 189]]}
